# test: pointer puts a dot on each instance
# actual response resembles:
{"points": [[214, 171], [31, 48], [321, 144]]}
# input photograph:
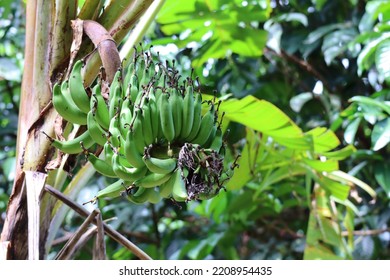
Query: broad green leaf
{"points": [[221, 28], [373, 10], [367, 56], [205, 246], [348, 179], [321, 32], [336, 43], [350, 131], [341, 154], [338, 190], [297, 102], [382, 58], [370, 101], [243, 173], [260, 115], [320, 166], [380, 135], [324, 140]]}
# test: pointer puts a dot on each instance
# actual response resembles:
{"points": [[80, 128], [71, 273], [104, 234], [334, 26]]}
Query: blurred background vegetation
{"points": [[323, 63]]}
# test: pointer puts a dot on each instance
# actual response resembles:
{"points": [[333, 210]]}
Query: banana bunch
{"points": [[154, 140]]}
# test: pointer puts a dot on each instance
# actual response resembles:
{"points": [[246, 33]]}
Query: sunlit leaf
{"points": [[350, 131], [341, 154], [329, 165], [380, 135], [260, 115]]}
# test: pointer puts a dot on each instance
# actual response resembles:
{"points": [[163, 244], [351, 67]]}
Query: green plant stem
{"points": [[139, 31]]}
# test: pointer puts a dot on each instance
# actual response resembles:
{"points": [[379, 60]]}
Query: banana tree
{"points": [[54, 39]]}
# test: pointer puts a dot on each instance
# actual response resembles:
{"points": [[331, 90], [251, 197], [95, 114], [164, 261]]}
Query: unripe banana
{"points": [[188, 112], [73, 146], [217, 142], [76, 87], [151, 180], [132, 155], [115, 136], [206, 125], [179, 191], [161, 166], [167, 124], [177, 110], [211, 138], [125, 117], [143, 195], [65, 106], [129, 72], [125, 173], [108, 153], [115, 101], [166, 188], [133, 88], [101, 165], [137, 132], [101, 114], [147, 123], [154, 114], [97, 133], [197, 118], [113, 190]]}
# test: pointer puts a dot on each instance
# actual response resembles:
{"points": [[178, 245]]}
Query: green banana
{"points": [[133, 88], [177, 110], [108, 152], [211, 138], [197, 118], [147, 123], [217, 142], [167, 124], [65, 106], [126, 173], [143, 195], [130, 71], [151, 180], [188, 112], [101, 165], [97, 133], [115, 101], [154, 114], [160, 166], [113, 190], [179, 191], [115, 133], [166, 188], [101, 108], [206, 126], [125, 116], [76, 87], [136, 129], [72, 146], [131, 153]]}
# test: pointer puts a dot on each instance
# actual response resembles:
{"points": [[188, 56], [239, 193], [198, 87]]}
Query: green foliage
{"points": [[11, 60], [304, 90]]}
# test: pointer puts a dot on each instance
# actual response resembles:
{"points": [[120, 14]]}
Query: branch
{"points": [[107, 229], [303, 65], [366, 232]]}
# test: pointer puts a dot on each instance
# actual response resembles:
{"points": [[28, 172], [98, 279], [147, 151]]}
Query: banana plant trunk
{"points": [[47, 53]]}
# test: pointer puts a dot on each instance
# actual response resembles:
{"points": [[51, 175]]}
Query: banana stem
{"points": [[139, 31]]}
